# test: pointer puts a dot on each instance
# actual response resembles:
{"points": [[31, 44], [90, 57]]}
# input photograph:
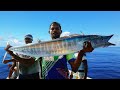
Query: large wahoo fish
{"points": [[62, 46]]}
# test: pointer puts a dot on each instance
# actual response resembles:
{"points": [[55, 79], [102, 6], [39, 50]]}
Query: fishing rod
{"points": [[5, 54]]}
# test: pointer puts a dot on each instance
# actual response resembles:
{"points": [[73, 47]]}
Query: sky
{"points": [[14, 25]]}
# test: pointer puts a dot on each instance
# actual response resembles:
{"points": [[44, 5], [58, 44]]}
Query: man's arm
{"points": [[7, 61], [87, 47], [75, 64], [26, 62]]}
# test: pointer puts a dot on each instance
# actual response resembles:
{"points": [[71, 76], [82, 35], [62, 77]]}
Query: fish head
{"points": [[101, 41]]}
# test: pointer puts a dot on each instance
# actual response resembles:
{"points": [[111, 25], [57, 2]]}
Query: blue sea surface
{"points": [[4, 70], [103, 63]]}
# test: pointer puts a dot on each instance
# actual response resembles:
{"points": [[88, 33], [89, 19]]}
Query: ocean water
{"points": [[103, 63], [3, 67]]}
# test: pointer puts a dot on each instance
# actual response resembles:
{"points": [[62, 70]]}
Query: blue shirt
{"points": [[60, 69]]}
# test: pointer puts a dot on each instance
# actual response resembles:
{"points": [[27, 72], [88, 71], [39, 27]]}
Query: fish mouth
{"points": [[110, 36], [111, 44]]}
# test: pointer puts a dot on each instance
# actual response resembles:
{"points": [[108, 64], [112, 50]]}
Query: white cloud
{"points": [[15, 42], [12, 42], [65, 34]]}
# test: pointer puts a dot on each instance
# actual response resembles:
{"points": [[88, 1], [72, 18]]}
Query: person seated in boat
{"points": [[29, 68], [59, 69], [12, 69]]}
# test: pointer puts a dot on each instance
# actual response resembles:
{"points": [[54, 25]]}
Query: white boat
{"points": [[77, 75]]}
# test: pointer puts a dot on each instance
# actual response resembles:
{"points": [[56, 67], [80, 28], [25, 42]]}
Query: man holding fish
{"points": [[57, 52], [60, 69], [28, 67]]}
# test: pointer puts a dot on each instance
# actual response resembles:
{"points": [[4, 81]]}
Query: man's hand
{"points": [[5, 61], [7, 47], [87, 47]]}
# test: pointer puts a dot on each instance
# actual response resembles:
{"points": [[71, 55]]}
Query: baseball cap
{"points": [[29, 36]]}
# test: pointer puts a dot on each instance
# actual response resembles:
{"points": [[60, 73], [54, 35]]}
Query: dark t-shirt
{"points": [[60, 69]]}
